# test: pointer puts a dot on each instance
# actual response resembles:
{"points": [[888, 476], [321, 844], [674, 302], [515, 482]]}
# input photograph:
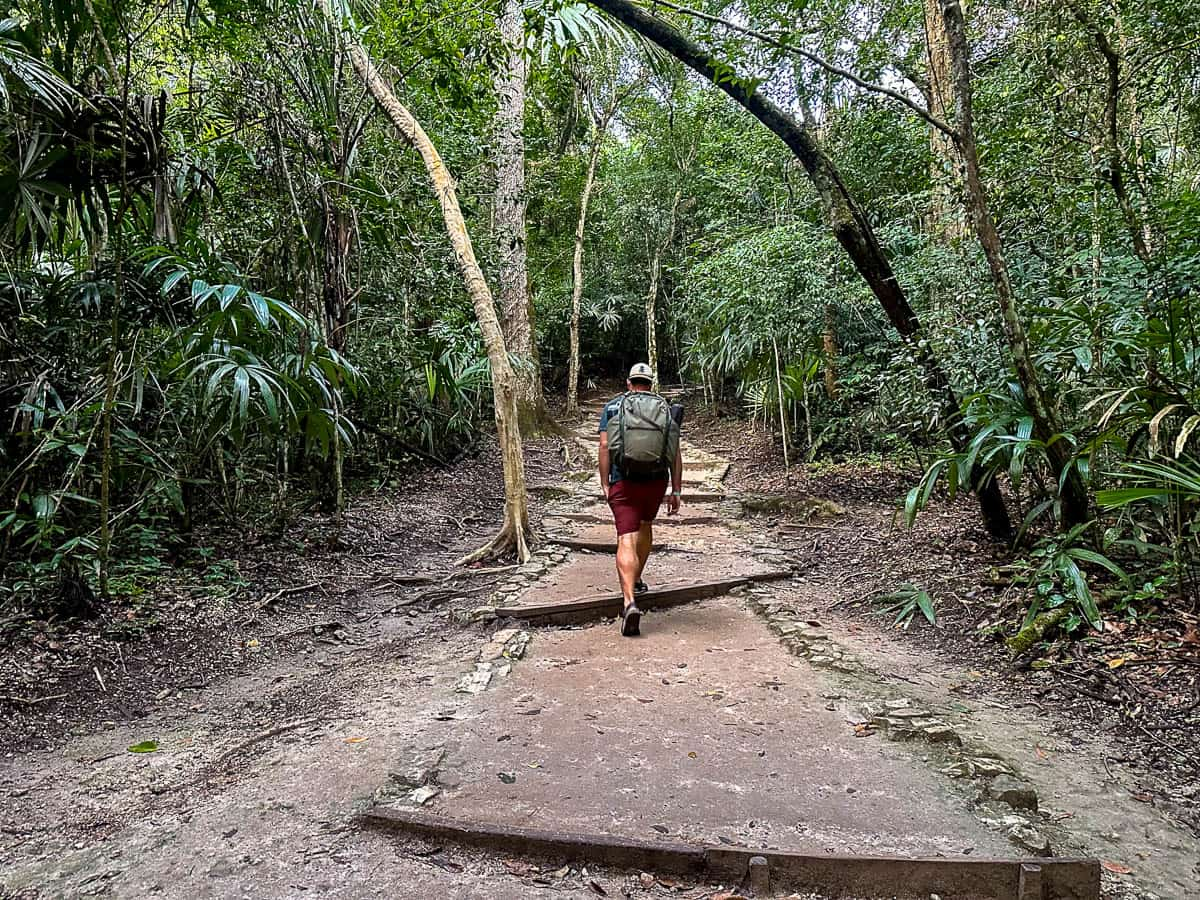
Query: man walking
{"points": [[639, 453]]}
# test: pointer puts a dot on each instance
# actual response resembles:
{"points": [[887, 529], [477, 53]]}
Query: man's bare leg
{"points": [[645, 543], [629, 564]]}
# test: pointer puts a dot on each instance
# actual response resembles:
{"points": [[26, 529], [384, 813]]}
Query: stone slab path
{"points": [[705, 729]]}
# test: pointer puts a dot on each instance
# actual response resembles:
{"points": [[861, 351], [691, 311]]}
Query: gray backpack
{"points": [[643, 437]]}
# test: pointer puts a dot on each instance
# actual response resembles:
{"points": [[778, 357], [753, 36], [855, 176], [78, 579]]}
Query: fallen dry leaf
{"points": [[1116, 868]]}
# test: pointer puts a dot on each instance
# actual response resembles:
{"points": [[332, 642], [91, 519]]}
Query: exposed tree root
{"points": [[544, 426], [512, 540]]}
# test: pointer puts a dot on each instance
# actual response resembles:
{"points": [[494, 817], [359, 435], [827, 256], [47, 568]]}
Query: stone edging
{"points": [[1003, 801], [495, 660]]}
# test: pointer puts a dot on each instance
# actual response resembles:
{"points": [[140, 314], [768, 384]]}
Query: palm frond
{"points": [[34, 76]]}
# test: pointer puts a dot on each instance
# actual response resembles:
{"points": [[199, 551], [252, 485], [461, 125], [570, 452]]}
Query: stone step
{"points": [[769, 871], [668, 521], [587, 609], [596, 546]]}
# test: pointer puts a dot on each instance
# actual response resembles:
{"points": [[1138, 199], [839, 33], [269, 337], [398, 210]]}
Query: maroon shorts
{"points": [[635, 502]]}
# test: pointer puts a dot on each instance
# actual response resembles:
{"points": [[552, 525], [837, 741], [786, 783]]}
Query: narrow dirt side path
{"points": [[747, 719]]}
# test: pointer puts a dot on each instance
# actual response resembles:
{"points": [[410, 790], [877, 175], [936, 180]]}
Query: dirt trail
{"points": [[742, 719]]}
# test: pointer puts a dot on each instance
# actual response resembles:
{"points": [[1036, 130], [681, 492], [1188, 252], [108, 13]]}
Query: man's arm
{"points": [[604, 462], [676, 482]]}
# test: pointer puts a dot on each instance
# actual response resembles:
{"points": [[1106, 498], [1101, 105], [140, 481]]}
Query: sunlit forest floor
{"points": [[304, 676]]}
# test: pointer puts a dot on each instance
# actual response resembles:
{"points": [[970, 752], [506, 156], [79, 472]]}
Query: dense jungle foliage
{"points": [[227, 293]]}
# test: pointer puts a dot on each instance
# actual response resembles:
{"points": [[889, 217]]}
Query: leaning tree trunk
{"points": [[656, 256], [577, 275], [848, 221], [516, 302], [1073, 493], [514, 533]]}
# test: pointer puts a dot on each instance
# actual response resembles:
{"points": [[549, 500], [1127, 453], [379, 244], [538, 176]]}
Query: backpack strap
{"points": [[621, 422]]}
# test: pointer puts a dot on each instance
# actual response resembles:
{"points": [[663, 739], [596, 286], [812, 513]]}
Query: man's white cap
{"points": [[641, 372]]}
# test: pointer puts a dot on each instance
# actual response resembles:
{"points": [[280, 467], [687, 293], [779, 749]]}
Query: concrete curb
{"points": [[963, 879]]}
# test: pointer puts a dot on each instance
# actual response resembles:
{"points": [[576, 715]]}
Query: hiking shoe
{"points": [[640, 587], [631, 619]]}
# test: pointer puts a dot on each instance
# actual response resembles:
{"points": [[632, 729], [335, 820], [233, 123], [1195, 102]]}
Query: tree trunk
{"points": [[516, 301], [945, 213], [577, 275], [848, 221], [1097, 272], [656, 256], [829, 346], [1137, 223], [1073, 493], [652, 315], [783, 429], [514, 534], [337, 239]]}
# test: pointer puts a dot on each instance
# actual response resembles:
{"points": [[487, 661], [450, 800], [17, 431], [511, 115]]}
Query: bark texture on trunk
{"points": [[514, 533], [945, 213], [337, 240], [783, 429], [577, 272], [1073, 493], [847, 219], [516, 300], [830, 351], [652, 316]]}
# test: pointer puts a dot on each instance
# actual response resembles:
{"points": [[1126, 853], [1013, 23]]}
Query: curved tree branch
{"points": [[778, 44]]}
